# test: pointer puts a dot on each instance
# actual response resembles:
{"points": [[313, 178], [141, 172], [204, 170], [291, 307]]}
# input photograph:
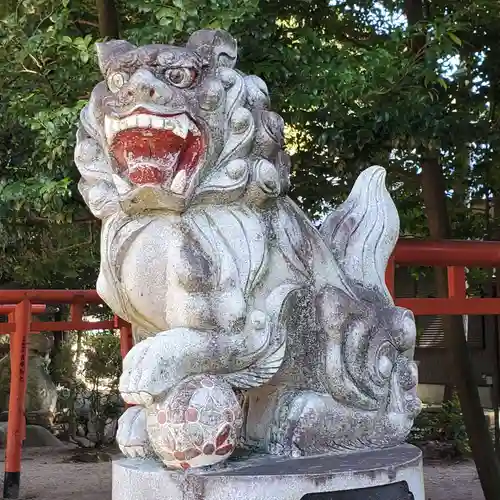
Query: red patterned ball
{"points": [[197, 424]]}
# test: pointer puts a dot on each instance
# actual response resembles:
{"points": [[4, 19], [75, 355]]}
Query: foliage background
{"points": [[339, 72], [413, 85]]}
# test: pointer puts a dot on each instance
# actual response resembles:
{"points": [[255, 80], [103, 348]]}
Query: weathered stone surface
{"points": [[220, 273], [273, 478]]}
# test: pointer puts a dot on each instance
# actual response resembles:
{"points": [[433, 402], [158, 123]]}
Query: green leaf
{"points": [[166, 12], [179, 24], [165, 21], [455, 38], [443, 84]]}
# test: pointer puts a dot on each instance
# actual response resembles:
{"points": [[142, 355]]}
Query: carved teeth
{"points": [[157, 122], [180, 125], [179, 183], [143, 121]]}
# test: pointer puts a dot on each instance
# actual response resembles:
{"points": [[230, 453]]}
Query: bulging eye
{"points": [[116, 81], [181, 77]]}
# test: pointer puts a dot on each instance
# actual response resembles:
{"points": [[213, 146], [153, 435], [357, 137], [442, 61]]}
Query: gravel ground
{"points": [[52, 475], [448, 481]]}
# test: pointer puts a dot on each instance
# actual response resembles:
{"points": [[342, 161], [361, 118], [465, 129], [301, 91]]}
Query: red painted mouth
{"points": [[152, 149]]}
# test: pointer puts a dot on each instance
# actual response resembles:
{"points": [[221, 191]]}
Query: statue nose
{"points": [[145, 87]]}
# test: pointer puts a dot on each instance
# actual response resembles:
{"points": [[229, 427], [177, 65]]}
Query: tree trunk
{"points": [[488, 468], [460, 366], [495, 344], [108, 18]]}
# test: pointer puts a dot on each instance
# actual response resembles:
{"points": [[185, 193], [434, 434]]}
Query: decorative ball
{"points": [[197, 423]]}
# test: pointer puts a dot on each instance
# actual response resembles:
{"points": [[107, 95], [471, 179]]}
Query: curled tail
{"points": [[362, 232]]}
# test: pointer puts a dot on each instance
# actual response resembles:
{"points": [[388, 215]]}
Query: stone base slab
{"points": [[390, 474]]}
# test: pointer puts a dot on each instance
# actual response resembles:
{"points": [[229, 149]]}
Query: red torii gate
{"points": [[21, 305]]}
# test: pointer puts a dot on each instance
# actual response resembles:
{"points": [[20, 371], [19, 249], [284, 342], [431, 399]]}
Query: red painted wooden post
{"points": [[12, 319], [456, 283], [76, 312], [390, 274], [126, 338], [18, 377], [25, 387]]}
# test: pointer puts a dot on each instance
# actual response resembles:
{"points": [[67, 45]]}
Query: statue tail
{"points": [[362, 232]]}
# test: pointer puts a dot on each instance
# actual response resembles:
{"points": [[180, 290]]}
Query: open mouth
{"points": [[156, 149]]}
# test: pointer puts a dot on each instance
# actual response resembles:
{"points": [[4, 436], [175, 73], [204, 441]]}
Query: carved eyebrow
{"points": [[178, 60], [133, 60], [124, 62]]}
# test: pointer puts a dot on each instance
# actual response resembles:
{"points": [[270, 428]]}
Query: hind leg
{"points": [[300, 425], [313, 423]]}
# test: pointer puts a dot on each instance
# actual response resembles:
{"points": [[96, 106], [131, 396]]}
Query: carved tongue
{"points": [[152, 170], [152, 156], [139, 148], [147, 174]]}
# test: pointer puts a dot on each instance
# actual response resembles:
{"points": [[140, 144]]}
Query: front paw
{"points": [[148, 371], [132, 437]]}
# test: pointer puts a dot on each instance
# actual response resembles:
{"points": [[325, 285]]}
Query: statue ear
{"points": [[216, 48], [107, 51]]}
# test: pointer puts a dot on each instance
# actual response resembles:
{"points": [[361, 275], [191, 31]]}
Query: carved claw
{"points": [[147, 371], [157, 364], [132, 437]]}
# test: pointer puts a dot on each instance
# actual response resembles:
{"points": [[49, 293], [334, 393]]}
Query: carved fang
{"points": [[179, 183]]}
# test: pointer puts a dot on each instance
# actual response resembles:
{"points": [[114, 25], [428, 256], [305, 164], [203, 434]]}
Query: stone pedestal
{"points": [[390, 474]]}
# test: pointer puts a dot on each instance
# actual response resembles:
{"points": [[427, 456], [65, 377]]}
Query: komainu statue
{"points": [[252, 328]]}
